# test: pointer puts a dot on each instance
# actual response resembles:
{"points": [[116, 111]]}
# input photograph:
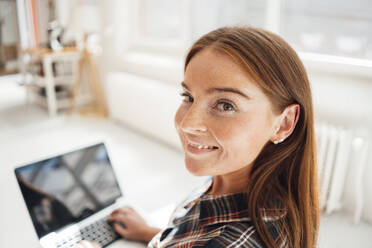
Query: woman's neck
{"points": [[234, 182]]}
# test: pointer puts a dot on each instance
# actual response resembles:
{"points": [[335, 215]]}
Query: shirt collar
{"points": [[229, 208]]}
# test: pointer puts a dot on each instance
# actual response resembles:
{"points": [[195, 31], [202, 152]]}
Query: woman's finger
{"points": [[117, 217], [122, 231], [86, 244], [116, 211], [122, 210]]}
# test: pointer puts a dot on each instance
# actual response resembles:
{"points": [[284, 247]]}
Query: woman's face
{"points": [[225, 119]]}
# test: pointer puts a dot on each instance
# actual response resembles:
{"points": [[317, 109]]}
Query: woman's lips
{"points": [[200, 149]]}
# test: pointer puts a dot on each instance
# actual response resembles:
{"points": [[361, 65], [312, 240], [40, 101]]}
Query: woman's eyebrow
{"points": [[232, 90], [212, 90], [185, 86]]}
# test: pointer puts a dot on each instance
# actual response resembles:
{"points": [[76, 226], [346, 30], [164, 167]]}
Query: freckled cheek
{"points": [[228, 135], [234, 137], [238, 152]]}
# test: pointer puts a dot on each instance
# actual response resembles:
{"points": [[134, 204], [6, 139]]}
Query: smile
{"points": [[202, 147], [195, 148]]}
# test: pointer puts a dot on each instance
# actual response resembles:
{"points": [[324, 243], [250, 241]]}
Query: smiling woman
{"points": [[246, 91], [246, 120], [218, 112]]}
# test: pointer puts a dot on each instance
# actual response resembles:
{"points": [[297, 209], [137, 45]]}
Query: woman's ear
{"points": [[287, 123]]}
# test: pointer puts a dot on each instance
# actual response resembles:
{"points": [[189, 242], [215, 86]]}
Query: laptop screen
{"points": [[67, 188]]}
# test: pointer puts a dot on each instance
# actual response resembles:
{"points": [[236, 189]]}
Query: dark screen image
{"points": [[67, 188]]}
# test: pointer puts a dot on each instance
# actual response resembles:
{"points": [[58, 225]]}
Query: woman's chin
{"points": [[195, 169]]}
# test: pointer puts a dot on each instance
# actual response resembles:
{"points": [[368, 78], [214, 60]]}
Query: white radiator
{"points": [[340, 152]]}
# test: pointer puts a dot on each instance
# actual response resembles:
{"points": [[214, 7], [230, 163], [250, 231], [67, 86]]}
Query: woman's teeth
{"points": [[203, 147]]}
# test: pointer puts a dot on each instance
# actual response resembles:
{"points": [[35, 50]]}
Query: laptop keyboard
{"points": [[99, 232]]}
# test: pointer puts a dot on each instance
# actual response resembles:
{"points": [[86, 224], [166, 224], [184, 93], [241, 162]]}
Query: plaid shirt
{"points": [[205, 220]]}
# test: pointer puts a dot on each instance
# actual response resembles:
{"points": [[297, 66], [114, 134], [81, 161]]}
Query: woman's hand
{"points": [[87, 244], [130, 225]]}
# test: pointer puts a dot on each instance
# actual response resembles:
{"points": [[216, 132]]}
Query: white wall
{"points": [[9, 27]]}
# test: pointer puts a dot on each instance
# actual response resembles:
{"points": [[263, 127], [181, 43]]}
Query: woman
{"points": [[247, 121]]}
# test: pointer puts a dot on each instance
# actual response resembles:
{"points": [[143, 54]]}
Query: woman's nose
{"points": [[193, 121]]}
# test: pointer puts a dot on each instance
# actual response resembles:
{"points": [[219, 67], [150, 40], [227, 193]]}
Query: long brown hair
{"points": [[287, 171]]}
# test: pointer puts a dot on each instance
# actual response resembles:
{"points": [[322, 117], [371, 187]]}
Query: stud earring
{"points": [[278, 141]]}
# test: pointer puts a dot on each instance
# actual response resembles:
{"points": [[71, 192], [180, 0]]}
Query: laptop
{"points": [[70, 196]]}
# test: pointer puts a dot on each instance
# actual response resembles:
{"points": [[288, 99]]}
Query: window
{"points": [[209, 14], [335, 34], [170, 24], [334, 27], [160, 19], [160, 25]]}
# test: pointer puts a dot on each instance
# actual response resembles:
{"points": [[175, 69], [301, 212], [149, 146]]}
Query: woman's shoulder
{"points": [[190, 201]]}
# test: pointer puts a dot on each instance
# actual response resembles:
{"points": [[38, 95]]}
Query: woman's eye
{"points": [[187, 97], [225, 106]]}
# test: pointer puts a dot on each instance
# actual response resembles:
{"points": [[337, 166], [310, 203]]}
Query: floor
{"points": [[27, 129]]}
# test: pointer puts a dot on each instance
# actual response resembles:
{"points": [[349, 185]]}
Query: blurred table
{"points": [[52, 74]]}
